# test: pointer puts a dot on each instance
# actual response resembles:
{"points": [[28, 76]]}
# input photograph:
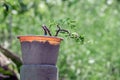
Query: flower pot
{"points": [[42, 50]]}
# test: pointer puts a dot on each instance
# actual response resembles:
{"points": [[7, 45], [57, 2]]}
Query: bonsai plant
{"points": [[40, 54]]}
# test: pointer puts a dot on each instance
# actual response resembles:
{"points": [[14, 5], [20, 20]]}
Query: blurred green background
{"points": [[98, 20]]}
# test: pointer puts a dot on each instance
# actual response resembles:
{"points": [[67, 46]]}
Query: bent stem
{"points": [[61, 30], [46, 30]]}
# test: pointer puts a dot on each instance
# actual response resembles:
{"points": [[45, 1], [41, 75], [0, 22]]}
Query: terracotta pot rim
{"points": [[40, 38]]}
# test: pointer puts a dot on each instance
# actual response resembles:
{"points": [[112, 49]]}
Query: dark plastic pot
{"points": [[39, 49]]}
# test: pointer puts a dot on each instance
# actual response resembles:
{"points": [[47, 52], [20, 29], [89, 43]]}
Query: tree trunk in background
{"points": [[10, 29]]}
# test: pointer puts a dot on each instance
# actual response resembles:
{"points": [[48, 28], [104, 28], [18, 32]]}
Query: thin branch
{"points": [[61, 30], [48, 31], [17, 60], [57, 30], [45, 32]]}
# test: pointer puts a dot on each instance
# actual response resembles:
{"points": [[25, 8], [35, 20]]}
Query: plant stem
{"points": [[45, 32], [61, 30], [48, 30]]}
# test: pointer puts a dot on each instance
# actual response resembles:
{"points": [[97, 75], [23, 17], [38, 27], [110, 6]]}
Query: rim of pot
{"points": [[31, 38]]}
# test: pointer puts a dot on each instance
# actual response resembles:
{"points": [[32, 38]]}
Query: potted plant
{"points": [[39, 54]]}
